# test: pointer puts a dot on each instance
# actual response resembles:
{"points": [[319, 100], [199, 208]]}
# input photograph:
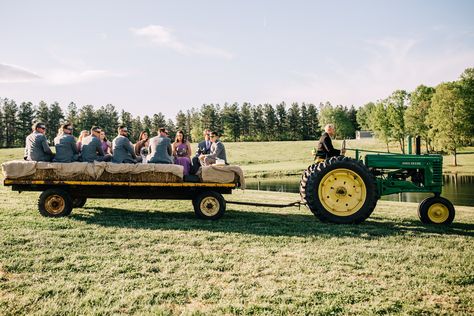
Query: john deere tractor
{"points": [[346, 190]]}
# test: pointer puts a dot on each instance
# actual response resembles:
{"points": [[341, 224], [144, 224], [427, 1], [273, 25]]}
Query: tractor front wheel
{"points": [[436, 210]]}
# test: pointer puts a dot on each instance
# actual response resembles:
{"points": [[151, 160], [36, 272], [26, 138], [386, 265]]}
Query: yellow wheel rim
{"points": [[54, 204], [342, 192], [438, 213], [209, 206]]}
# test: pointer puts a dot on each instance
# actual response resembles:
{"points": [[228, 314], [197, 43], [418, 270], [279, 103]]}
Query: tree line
{"points": [[443, 115], [247, 122]]}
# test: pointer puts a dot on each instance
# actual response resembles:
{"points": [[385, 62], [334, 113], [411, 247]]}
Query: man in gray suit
{"points": [[217, 151], [204, 148], [92, 148], [65, 143], [37, 148], [122, 148], [160, 148]]}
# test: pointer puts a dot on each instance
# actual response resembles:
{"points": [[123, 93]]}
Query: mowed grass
{"points": [[155, 257]]}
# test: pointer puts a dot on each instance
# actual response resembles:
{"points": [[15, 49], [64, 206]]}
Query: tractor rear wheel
{"points": [[341, 190], [436, 210]]}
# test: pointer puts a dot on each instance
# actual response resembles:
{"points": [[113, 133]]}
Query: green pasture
{"points": [[138, 257], [155, 257]]}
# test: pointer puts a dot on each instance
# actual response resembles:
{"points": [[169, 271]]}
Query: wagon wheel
{"points": [[55, 203], [78, 202], [436, 210], [341, 190], [209, 205]]}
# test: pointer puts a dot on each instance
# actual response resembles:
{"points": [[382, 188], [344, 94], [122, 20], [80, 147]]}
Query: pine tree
{"points": [[136, 129], [42, 113], [72, 116], [26, 115], [231, 122], [294, 119], [258, 123], [158, 121], [181, 122], [2, 125], [245, 120], [56, 117], [126, 119], [270, 119], [86, 118], [313, 126], [282, 122], [305, 123], [147, 124], [10, 110]]}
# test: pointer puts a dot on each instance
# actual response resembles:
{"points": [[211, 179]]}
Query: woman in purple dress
{"points": [[106, 145], [182, 152]]}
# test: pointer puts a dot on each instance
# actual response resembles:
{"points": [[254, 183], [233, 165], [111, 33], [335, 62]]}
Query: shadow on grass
{"points": [[265, 224]]}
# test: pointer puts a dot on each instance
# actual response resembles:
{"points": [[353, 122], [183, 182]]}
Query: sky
{"points": [[164, 56]]}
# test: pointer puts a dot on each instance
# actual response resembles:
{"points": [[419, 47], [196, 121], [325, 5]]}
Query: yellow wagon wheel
{"points": [[209, 205], [55, 203]]}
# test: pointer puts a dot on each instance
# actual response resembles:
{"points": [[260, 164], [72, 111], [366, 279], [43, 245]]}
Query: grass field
{"points": [[137, 257], [155, 257]]}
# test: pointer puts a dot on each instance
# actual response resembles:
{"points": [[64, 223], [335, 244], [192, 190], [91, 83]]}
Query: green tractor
{"points": [[346, 190]]}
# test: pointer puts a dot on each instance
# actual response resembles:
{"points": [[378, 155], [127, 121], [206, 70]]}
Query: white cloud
{"points": [[12, 73], [67, 77], [164, 37], [392, 64]]}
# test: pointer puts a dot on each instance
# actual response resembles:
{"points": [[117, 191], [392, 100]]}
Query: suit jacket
{"points": [[202, 149], [160, 150], [123, 150], [325, 148], [91, 149], [37, 148], [66, 149], [218, 151]]}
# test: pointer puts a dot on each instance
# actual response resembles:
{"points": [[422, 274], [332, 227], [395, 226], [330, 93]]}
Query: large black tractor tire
{"points": [[341, 190], [78, 202], [55, 203], [209, 205], [304, 181], [436, 210]]}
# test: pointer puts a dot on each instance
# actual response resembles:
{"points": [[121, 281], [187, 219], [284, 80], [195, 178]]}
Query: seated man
{"points": [[160, 148], [204, 148], [217, 151], [65, 143], [325, 148], [122, 148], [37, 148], [92, 147]]}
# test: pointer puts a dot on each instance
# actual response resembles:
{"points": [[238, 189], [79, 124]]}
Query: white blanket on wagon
{"points": [[222, 174], [20, 168]]}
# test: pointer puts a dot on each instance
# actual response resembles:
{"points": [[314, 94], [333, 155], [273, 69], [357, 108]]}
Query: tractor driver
{"points": [[325, 148]]}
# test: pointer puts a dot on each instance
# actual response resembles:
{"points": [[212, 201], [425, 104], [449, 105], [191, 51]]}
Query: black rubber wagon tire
{"points": [[55, 203], [436, 210], [341, 190], [78, 202], [209, 205]]}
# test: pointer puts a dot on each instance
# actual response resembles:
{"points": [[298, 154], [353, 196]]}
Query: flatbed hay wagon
{"points": [[62, 189]]}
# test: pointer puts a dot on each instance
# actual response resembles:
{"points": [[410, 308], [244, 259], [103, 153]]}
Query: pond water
{"points": [[458, 189]]}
